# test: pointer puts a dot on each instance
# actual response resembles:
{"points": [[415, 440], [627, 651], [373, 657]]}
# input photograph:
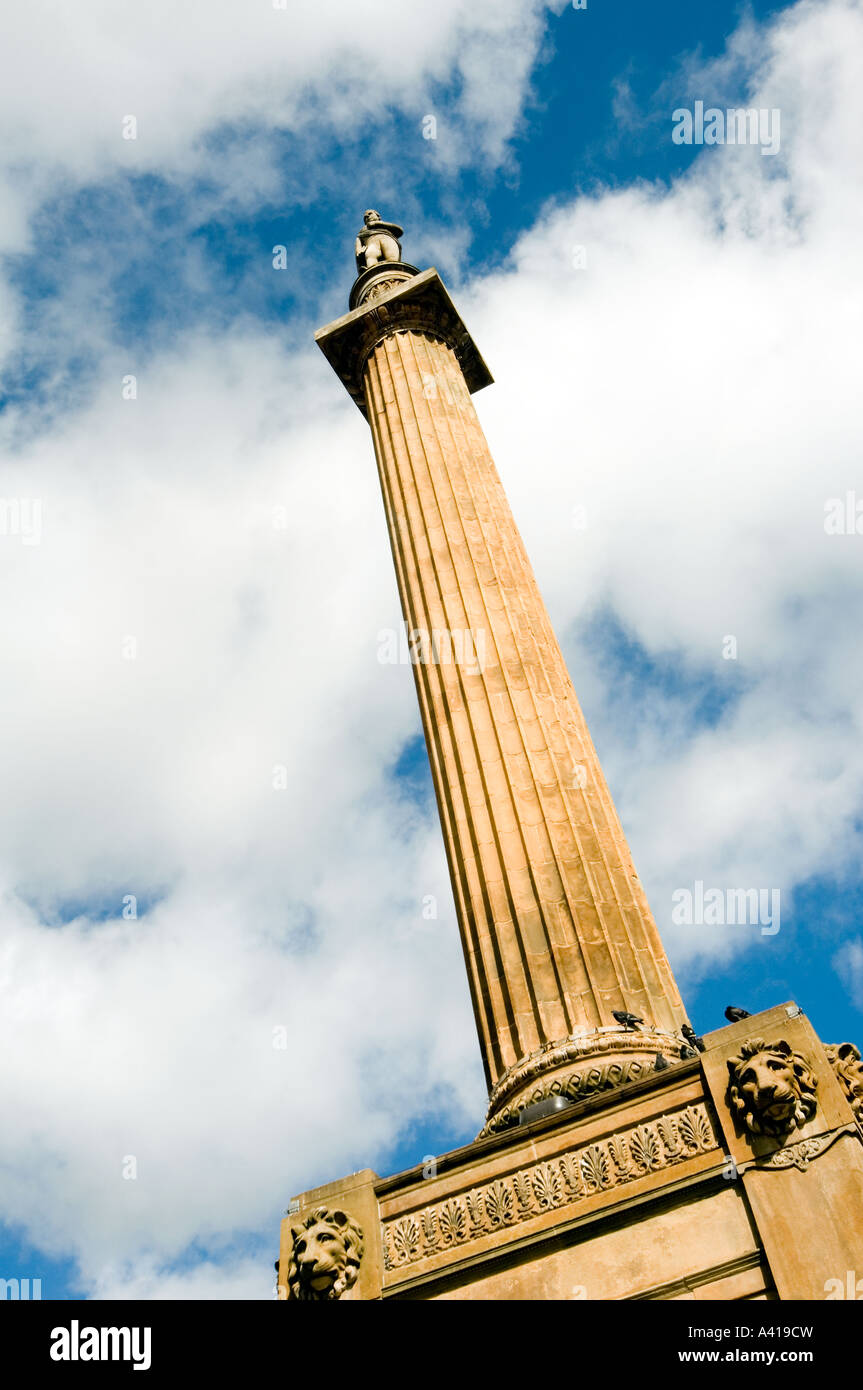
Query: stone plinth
{"points": [[654, 1191]]}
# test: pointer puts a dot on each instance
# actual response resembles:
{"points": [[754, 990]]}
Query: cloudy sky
{"points": [[217, 832]]}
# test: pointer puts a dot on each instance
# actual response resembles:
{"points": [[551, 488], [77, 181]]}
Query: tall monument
{"points": [[607, 1116]]}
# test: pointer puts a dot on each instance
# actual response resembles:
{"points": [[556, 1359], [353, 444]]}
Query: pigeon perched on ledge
{"points": [[628, 1021], [735, 1015], [692, 1037]]}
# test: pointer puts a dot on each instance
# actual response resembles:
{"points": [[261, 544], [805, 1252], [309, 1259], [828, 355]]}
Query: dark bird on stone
{"points": [[734, 1015], [692, 1037], [628, 1021], [661, 1062]]}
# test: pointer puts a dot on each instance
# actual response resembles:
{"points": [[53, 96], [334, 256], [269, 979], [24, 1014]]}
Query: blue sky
{"points": [[154, 257], [158, 234]]}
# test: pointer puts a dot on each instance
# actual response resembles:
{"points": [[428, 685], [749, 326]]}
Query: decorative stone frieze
{"points": [[553, 1184]]}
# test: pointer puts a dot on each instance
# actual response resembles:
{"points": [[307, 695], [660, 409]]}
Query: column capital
{"points": [[420, 304]]}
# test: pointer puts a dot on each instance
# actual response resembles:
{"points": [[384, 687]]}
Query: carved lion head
{"points": [[325, 1255], [845, 1060], [771, 1088]]}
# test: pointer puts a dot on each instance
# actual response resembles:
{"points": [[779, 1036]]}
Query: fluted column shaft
{"points": [[555, 925]]}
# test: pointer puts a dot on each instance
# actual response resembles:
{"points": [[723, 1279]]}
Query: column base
{"points": [[577, 1068], [370, 284]]}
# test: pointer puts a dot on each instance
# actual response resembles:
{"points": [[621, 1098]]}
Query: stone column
{"points": [[556, 929]]}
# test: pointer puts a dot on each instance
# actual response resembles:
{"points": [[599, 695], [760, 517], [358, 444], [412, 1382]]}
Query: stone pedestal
{"points": [[654, 1191]]}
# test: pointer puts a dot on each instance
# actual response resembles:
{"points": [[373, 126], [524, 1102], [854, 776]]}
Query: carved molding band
{"points": [[633, 1057], [799, 1155], [550, 1185], [377, 279]]}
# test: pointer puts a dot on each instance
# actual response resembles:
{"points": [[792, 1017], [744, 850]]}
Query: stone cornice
{"points": [[420, 304], [491, 1144]]}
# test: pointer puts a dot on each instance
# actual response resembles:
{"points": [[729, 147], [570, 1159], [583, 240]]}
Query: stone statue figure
{"points": [[377, 241]]}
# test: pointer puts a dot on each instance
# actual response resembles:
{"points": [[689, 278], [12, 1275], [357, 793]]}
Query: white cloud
{"points": [[256, 647], [848, 964], [70, 75], [241, 1278]]}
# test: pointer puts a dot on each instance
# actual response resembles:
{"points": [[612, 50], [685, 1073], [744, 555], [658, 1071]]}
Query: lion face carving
{"points": [[845, 1060], [325, 1255], [771, 1088]]}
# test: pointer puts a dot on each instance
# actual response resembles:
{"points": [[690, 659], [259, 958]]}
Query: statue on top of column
{"points": [[377, 241]]}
